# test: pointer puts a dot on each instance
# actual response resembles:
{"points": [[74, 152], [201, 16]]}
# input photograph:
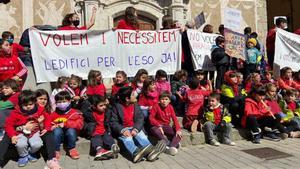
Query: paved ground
{"points": [[201, 156]]}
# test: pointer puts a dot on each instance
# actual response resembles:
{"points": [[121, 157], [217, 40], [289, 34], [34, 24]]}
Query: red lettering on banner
{"points": [[84, 36], [137, 38], [55, 38], [74, 37], [64, 39], [44, 43]]}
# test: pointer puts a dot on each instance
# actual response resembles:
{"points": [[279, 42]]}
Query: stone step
{"points": [[188, 139]]}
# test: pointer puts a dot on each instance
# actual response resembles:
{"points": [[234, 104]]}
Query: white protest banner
{"points": [[232, 19], [287, 50], [62, 53], [201, 45]]}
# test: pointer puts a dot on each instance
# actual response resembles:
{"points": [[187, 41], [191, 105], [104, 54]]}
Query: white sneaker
{"points": [[214, 142], [172, 151]]}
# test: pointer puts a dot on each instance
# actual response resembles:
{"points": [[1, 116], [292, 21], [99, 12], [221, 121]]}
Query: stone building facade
{"points": [[19, 15]]}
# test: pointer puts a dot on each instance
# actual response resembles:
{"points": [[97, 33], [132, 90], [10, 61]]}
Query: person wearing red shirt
{"points": [[194, 99], [131, 21], [258, 116], [297, 31], [71, 21], [216, 118], [27, 142], [281, 24], [95, 85], [16, 48], [11, 67], [148, 97], [97, 128], [66, 122], [160, 117], [127, 123], [120, 81], [286, 81]]}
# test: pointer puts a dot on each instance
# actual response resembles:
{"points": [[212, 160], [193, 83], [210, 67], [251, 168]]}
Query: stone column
{"points": [[177, 11]]}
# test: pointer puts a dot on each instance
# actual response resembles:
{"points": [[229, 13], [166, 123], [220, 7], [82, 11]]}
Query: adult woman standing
{"points": [[131, 20], [71, 21]]}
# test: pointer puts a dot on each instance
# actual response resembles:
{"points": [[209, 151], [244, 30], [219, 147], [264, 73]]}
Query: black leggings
{"points": [[8, 150], [252, 123]]}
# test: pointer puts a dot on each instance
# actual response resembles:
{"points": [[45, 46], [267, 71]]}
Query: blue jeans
{"points": [[129, 142], [59, 137]]}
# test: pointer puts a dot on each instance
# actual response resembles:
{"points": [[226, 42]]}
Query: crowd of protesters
{"points": [[244, 95]]}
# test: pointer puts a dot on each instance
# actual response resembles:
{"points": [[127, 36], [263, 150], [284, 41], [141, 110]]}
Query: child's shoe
{"points": [[271, 136], [229, 142], [171, 151], [57, 155], [194, 126], [115, 149], [52, 164], [140, 153], [103, 154], [74, 154], [256, 138], [159, 148], [214, 142], [32, 158], [22, 161]]}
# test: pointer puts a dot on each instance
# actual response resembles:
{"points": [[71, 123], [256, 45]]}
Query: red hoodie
{"points": [[252, 108], [195, 100], [288, 84], [18, 118], [11, 66], [163, 115], [72, 117]]}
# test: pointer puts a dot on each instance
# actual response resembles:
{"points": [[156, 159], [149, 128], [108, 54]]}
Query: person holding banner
{"points": [[131, 20], [71, 21], [281, 24]]}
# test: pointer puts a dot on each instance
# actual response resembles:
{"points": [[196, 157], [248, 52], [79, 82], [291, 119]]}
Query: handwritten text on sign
{"points": [[201, 45], [235, 44], [62, 53], [287, 50]]}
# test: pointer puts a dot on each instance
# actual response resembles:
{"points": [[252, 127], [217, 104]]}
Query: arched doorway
{"points": [[146, 23]]}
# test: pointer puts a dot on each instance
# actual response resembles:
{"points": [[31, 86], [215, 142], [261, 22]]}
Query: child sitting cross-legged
{"points": [[127, 123], [160, 117], [217, 119], [27, 141], [97, 122]]}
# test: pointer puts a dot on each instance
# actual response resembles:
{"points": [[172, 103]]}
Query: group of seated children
{"points": [[144, 107]]}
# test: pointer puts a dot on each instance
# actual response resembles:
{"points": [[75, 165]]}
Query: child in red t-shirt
{"points": [[194, 98], [95, 84], [160, 117], [76, 90], [97, 119]]}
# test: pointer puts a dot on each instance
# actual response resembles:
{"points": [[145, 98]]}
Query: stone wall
{"points": [[254, 13]]}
